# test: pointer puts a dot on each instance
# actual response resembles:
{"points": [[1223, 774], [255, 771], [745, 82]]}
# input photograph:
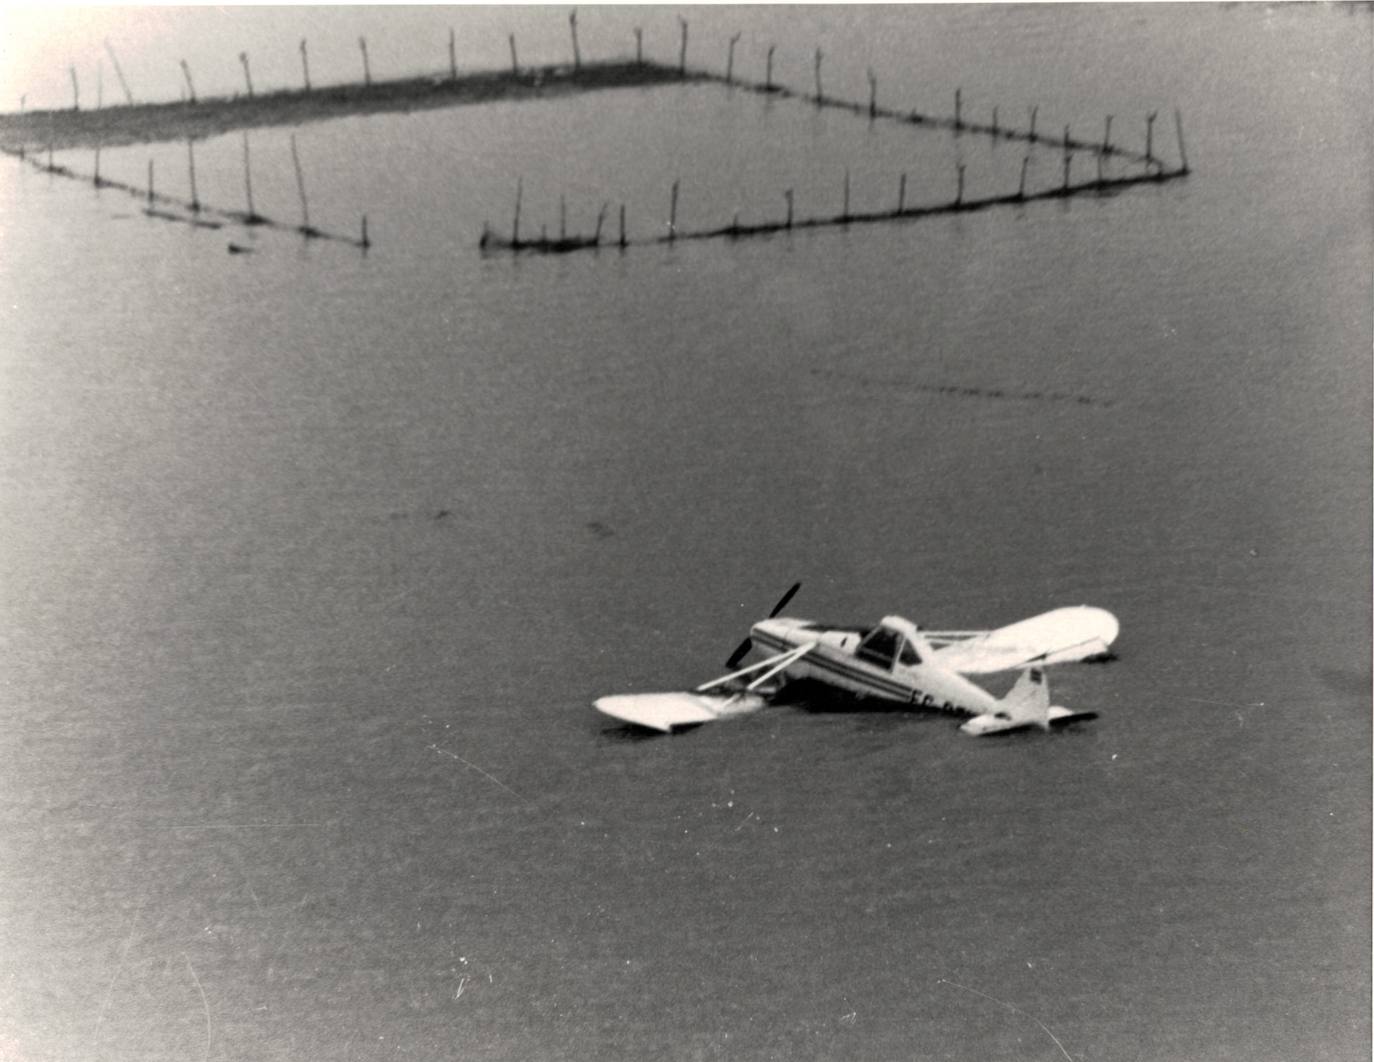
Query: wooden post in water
{"points": [[248, 181], [958, 108], [76, 90], [191, 166], [901, 194], [820, 96], [96, 179], [600, 220], [515, 223], [514, 62], [682, 52], [119, 73], [1068, 160], [639, 46], [452, 56], [788, 194], [190, 85], [305, 64], [367, 70], [572, 26], [994, 121], [959, 195], [1107, 135], [730, 61], [1182, 152], [1033, 112], [1150, 136], [768, 75], [300, 187], [622, 224], [150, 182], [672, 215], [1021, 188], [872, 94], [365, 242], [247, 73]]}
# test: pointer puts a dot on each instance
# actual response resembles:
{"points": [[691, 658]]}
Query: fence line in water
{"points": [[564, 243], [197, 213], [1154, 170], [578, 76]]}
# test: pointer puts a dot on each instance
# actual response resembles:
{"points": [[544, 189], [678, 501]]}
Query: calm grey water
{"points": [[313, 563]]}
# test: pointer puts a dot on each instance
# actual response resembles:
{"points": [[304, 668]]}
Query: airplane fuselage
{"points": [[838, 659]]}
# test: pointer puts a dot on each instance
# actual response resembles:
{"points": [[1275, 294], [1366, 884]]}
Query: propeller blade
{"points": [[741, 651], [782, 604]]}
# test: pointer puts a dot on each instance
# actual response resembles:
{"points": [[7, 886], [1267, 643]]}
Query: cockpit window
{"points": [[908, 655], [879, 647]]}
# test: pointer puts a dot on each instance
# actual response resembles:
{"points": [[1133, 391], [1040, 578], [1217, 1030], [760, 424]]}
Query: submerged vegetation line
{"points": [[891, 385]]}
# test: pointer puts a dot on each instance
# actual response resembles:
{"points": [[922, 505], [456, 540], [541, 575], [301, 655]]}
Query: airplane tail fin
{"points": [[1029, 700], [1026, 704]]}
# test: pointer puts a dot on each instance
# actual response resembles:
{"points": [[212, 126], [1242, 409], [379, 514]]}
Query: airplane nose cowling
{"points": [[783, 630]]}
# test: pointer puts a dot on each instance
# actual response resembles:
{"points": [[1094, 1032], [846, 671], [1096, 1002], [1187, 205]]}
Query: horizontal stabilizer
{"points": [[1064, 716], [663, 711]]}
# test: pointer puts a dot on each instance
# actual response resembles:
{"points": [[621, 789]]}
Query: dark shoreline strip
{"points": [[122, 125]]}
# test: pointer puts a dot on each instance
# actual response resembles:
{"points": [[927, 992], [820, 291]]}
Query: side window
{"points": [[908, 655], [879, 647]]}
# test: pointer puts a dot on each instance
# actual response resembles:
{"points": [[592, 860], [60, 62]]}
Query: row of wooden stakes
{"points": [[1153, 171], [200, 214]]}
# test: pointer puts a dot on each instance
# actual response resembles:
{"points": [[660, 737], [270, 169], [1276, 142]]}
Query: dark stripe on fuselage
{"points": [[815, 658]]}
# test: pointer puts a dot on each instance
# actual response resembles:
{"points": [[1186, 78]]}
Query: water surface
{"points": [[314, 562]]}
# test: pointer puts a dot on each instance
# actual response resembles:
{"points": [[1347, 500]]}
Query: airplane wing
{"points": [[663, 711], [712, 700], [1060, 636]]}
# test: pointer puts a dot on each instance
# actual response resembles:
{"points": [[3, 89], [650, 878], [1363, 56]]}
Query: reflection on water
{"points": [[278, 526]]}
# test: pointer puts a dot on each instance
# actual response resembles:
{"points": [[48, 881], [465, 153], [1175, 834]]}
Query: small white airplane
{"points": [[894, 661]]}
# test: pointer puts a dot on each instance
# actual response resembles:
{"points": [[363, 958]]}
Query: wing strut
{"points": [[773, 665]]}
